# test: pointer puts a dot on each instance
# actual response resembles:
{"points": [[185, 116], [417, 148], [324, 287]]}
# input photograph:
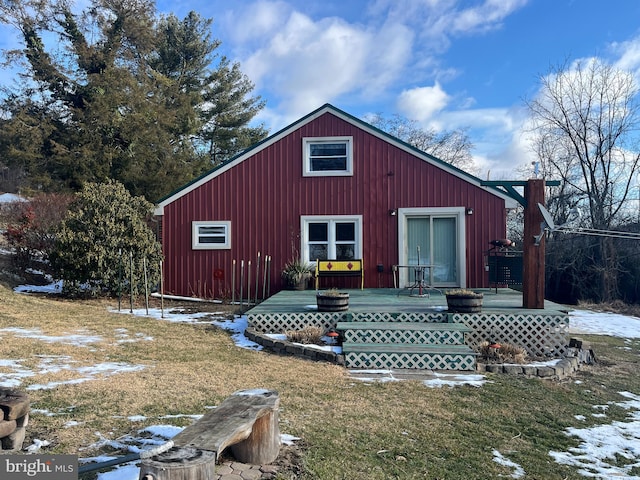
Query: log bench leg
{"points": [[180, 464], [263, 445]]}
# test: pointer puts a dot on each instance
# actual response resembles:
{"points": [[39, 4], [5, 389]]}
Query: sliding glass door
{"points": [[433, 240]]}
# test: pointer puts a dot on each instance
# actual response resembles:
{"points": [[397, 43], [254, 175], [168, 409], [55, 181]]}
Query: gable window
{"points": [[211, 235], [331, 238], [328, 156]]}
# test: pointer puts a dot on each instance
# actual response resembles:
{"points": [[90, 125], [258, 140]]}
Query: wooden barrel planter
{"points": [[332, 301], [464, 302]]}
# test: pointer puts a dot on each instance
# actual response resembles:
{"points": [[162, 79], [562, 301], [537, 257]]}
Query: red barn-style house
{"points": [[329, 186]]}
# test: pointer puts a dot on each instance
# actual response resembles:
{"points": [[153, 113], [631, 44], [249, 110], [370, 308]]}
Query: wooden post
{"points": [[533, 255]]}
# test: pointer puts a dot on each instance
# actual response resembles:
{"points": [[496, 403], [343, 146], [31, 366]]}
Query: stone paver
{"points": [[232, 470]]}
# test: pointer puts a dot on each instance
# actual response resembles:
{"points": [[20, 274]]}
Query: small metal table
{"points": [[422, 279]]}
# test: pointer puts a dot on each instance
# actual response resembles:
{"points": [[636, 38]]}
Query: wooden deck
{"points": [[399, 301], [392, 316]]}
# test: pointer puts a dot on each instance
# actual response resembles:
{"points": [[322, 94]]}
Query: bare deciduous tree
{"points": [[451, 146], [585, 119]]}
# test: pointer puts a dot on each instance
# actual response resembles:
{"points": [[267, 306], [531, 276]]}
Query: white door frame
{"points": [[458, 213]]}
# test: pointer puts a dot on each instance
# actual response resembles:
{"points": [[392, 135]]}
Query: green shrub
{"points": [[308, 335], [104, 233]]}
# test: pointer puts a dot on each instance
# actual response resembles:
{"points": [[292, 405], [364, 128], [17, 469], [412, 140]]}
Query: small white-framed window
{"points": [[331, 238], [211, 235], [327, 156]]}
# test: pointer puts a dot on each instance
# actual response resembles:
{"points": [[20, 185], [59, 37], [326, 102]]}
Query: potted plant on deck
{"points": [[332, 300], [296, 273], [462, 300]]}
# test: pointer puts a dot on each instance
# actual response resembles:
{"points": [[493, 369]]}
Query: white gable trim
{"points": [[159, 210], [509, 202]]}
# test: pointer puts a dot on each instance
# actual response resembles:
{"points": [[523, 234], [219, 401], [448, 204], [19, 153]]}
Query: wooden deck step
{"points": [[431, 326], [410, 333], [403, 317], [424, 357], [398, 348]]}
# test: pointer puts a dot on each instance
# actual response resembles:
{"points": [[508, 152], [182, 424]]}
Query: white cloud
{"points": [[629, 55], [422, 103], [499, 136], [260, 20], [486, 16], [307, 63], [438, 20]]}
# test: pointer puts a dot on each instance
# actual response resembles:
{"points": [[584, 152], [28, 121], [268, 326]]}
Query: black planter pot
{"points": [[301, 284]]}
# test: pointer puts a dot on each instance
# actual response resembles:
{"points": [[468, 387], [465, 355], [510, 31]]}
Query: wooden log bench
{"points": [[339, 268], [246, 423]]}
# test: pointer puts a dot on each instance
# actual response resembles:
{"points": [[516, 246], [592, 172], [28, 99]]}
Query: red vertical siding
{"points": [[265, 195]]}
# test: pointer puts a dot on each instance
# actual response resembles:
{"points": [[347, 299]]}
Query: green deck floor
{"points": [[396, 301]]}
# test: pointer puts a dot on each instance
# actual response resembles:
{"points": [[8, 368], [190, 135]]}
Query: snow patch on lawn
{"points": [[600, 447]]}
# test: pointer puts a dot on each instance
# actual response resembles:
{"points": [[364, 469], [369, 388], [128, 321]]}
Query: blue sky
{"points": [[445, 63]]}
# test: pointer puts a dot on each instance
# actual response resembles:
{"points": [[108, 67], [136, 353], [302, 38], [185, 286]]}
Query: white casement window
{"points": [[210, 235], [331, 238], [327, 156]]}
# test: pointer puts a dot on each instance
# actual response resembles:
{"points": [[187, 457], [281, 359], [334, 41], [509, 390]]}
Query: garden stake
{"points": [[233, 282], [269, 277], [161, 291], [119, 278], [248, 283], [257, 279], [131, 283], [146, 284], [241, 282], [264, 281]]}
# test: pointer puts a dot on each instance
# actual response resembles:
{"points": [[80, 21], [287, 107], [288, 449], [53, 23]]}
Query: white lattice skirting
{"points": [[538, 334], [281, 322], [410, 361], [409, 337]]}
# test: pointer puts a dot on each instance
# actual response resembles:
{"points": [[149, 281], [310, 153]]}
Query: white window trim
{"points": [[458, 212], [332, 220], [196, 245], [306, 165]]}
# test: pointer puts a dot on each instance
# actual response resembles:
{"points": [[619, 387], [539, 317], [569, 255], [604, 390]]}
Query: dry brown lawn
{"points": [[186, 368], [349, 429]]}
